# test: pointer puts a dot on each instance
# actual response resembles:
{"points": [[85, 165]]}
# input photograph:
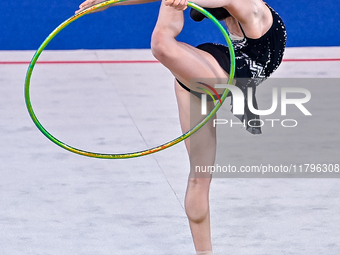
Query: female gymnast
{"points": [[259, 38]]}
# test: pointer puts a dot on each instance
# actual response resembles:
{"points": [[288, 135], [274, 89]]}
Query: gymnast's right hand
{"points": [[177, 4], [89, 3]]}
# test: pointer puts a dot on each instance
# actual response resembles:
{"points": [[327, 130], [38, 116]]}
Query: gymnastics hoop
{"points": [[132, 154]]}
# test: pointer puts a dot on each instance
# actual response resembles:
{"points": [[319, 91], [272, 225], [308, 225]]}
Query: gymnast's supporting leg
{"points": [[187, 62], [201, 147]]}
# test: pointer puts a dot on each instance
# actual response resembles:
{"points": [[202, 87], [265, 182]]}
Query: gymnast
{"points": [[259, 38]]}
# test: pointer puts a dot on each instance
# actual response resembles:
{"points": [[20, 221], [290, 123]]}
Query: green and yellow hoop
{"points": [[130, 154]]}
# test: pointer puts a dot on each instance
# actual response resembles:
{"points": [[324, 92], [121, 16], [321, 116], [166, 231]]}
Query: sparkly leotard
{"points": [[256, 60]]}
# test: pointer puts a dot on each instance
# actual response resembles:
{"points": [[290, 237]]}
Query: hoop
{"points": [[132, 154]]}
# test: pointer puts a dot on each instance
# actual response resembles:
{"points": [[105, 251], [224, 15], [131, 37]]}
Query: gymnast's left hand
{"points": [[89, 3], [177, 4]]}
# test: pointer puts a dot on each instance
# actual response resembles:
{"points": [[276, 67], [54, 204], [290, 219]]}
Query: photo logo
{"points": [[238, 103]]}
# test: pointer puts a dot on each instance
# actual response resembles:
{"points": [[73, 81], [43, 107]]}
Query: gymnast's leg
{"points": [[201, 147], [183, 60], [187, 62]]}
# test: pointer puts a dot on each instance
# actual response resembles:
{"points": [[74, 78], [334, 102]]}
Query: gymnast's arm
{"points": [[89, 3], [233, 6], [254, 16], [242, 10]]}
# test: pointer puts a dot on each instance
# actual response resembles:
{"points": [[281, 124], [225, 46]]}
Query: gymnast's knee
{"points": [[197, 199], [158, 44], [162, 45], [197, 216]]}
